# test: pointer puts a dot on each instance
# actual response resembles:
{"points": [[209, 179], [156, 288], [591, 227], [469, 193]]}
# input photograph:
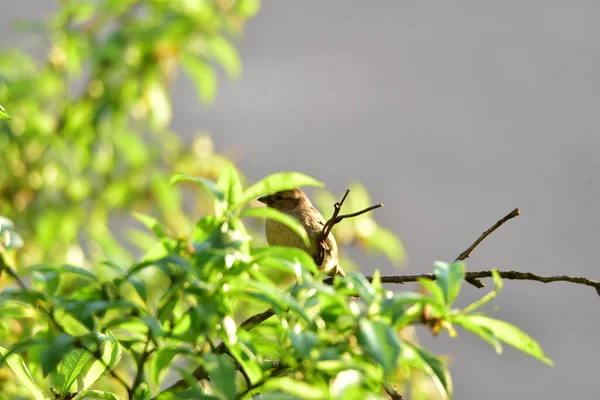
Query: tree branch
{"points": [[510, 275], [465, 254]]}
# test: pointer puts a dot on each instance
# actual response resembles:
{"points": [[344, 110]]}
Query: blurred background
{"points": [[452, 114]]}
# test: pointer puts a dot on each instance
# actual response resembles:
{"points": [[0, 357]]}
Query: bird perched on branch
{"points": [[296, 204]]}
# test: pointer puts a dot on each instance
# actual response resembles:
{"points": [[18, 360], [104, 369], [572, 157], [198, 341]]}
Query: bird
{"points": [[296, 204]]}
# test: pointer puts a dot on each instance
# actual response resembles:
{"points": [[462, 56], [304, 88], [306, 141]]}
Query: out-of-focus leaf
{"points": [[151, 223], [209, 186], [61, 269], [248, 8], [57, 347], [381, 342], [364, 288], [222, 373], [301, 390], [158, 101], [3, 113], [276, 183], [226, 55], [6, 224], [449, 278], [421, 359], [19, 368], [203, 75], [101, 394], [280, 217], [388, 243]]}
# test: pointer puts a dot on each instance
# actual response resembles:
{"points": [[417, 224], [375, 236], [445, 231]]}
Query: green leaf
{"points": [[19, 368], [280, 217], [248, 8], [388, 243], [481, 331], [157, 98], [434, 289], [381, 342], [449, 278], [488, 297], [162, 360], [203, 75], [139, 286], [230, 184], [222, 373], [72, 366], [62, 269], [101, 394], [301, 390], [3, 113], [208, 185], [510, 335], [292, 254], [432, 366], [226, 55], [59, 346], [150, 223], [364, 288], [275, 183], [111, 355], [303, 342]]}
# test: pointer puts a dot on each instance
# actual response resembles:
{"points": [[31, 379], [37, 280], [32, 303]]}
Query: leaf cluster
{"points": [[178, 315]]}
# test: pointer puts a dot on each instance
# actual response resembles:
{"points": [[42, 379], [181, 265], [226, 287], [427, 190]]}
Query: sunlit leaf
{"points": [[508, 334], [449, 278], [19, 368]]}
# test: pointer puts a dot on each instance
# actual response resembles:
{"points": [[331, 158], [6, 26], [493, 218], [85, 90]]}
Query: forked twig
{"points": [[336, 218]]}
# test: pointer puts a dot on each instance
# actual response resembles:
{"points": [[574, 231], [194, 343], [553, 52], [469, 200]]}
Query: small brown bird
{"points": [[295, 204]]}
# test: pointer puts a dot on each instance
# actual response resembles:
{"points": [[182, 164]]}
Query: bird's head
{"points": [[285, 200]]}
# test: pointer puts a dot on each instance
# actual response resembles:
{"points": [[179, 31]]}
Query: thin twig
{"points": [[465, 254], [139, 375], [336, 218], [393, 392]]}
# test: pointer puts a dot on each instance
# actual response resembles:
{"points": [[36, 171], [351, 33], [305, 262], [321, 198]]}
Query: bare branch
{"points": [[510, 275], [465, 254]]}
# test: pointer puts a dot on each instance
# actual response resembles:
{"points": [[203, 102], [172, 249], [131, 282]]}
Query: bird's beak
{"points": [[265, 199]]}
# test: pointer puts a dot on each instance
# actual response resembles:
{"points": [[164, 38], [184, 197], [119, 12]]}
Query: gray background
{"points": [[452, 113]]}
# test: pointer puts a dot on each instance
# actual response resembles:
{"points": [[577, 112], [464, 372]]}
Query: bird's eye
{"points": [[278, 197]]}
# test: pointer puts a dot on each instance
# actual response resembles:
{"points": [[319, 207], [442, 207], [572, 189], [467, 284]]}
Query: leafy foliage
{"points": [[123, 336], [88, 137], [89, 134]]}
